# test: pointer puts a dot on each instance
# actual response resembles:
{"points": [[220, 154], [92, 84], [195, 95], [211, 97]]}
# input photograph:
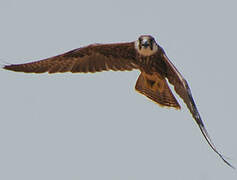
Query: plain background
{"points": [[95, 126]]}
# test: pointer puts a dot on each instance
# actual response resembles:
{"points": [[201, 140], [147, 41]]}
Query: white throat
{"points": [[146, 51]]}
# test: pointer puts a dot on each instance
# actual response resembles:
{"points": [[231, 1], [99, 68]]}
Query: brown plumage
{"points": [[93, 58], [155, 87], [144, 54]]}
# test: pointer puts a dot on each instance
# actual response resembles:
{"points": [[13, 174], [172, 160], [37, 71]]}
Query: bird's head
{"points": [[146, 45]]}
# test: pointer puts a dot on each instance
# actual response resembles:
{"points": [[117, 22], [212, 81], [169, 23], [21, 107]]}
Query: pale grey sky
{"points": [[95, 126]]}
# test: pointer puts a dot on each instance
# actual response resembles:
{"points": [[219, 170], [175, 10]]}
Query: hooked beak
{"points": [[145, 44]]}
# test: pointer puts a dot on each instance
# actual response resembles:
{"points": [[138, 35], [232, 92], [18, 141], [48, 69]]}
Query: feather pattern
{"points": [[156, 88], [92, 58], [182, 88], [144, 54]]}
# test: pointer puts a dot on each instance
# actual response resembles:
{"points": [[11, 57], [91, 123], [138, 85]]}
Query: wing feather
{"points": [[182, 88], [92, 58]]}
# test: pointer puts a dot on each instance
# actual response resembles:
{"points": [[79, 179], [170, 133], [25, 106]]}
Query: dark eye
{"points": [[140, 39]]}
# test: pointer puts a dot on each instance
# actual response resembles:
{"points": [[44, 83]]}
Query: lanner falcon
{"points": [[143, 54]]}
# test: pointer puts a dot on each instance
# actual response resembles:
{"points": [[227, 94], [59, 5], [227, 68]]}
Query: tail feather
{"points": [[155, 87]]}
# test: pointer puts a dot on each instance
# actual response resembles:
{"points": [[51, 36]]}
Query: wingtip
{"points": [[225, 161], [3, 64], [209, 141]]}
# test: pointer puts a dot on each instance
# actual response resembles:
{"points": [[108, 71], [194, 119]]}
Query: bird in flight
{"points": [[143, 54]]}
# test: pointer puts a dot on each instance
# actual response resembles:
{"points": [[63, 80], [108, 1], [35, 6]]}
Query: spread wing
{"points": [[92, 58], [155, 87], [183, 90]]}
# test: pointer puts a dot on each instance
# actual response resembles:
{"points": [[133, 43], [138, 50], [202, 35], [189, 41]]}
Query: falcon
{"points": [[143, 54]]}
